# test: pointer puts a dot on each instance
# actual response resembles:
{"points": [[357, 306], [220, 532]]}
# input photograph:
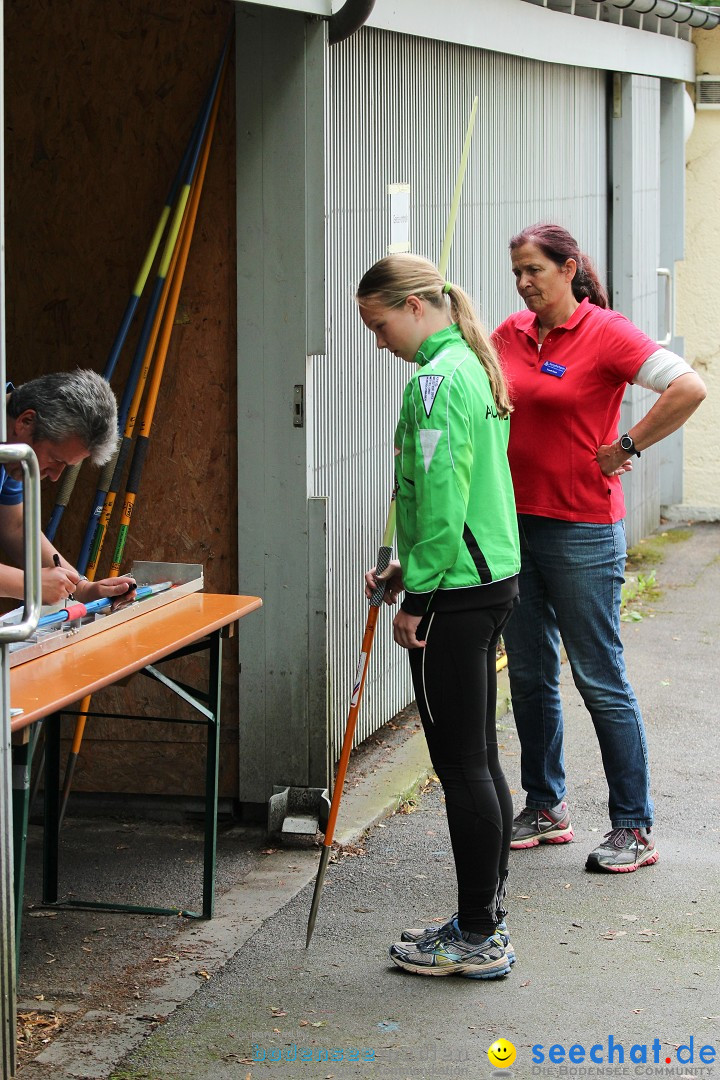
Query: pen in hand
{"points": [[56, 561]]}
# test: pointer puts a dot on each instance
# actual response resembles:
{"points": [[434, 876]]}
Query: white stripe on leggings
{"points": [[427, 703]]}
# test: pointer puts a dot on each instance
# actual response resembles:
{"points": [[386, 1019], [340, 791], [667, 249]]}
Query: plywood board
{"points": [[100, 100]]}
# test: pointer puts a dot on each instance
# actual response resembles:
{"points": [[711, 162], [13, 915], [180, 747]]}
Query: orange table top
{"points": [[58, 679]]}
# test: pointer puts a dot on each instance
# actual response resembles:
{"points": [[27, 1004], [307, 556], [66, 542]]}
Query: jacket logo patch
{"points": [[429, 386], [429, 440]]}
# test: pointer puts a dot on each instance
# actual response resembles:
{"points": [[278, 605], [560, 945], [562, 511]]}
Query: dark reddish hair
{"points": [[557, 244]]}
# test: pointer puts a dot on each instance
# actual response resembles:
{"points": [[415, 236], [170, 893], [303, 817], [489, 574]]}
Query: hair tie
{"points": [[447, 287]]}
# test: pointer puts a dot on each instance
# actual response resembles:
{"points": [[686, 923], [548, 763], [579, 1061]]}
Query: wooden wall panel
{"points": [[100, 102]]}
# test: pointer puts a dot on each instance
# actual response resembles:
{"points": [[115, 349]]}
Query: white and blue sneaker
{"points": [[451, 954], [451, 929]]}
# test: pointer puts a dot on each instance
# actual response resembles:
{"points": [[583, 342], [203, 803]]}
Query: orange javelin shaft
{"points": [[142, 441], [158, 367], [118, 464], [383, 559]]}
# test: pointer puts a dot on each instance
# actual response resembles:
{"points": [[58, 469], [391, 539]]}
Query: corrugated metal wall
{"points": [[397, 112], [638, 292], [646, 200]]}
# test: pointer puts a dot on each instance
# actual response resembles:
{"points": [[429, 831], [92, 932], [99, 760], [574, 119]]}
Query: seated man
{"points": [[65, 417]]}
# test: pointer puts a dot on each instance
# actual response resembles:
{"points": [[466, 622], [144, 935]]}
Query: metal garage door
{"points": [[397, 112]]}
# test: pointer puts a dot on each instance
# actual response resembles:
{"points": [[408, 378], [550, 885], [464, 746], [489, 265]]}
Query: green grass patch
{"points": [[641, 588], [651, 551], [637, 593]]}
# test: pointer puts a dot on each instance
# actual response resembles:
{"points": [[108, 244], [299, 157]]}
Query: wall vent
{"points": [[707, 95]]}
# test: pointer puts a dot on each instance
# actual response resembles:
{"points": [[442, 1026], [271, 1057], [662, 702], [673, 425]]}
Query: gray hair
{"points": [[71, 404]]}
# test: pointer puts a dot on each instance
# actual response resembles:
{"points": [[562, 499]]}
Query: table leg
{"points": [[211, 774], [52, 809]]}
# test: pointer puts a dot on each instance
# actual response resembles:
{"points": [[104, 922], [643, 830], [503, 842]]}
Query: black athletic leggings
{"points": [[455, 684]]}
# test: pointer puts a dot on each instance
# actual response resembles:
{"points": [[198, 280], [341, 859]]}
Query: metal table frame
{"points": [[193, 624], [208, 705]]}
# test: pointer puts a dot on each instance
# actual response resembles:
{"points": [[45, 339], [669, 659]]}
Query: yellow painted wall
{"points": [[698, 295]]}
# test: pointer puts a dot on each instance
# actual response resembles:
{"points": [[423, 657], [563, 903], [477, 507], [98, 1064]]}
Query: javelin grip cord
{"points": [[383, 561]]}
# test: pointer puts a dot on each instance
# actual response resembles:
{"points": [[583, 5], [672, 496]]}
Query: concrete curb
{"points": [[380, 795]]}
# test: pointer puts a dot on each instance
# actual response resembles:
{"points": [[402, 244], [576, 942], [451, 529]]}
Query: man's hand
{"points": [[58, 582], [117, 588]]}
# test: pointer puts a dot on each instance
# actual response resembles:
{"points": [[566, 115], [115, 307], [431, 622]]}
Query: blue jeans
{"points": [[570, 584]]}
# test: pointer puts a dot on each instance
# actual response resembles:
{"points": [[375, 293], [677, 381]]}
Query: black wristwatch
{"points": [[628, 445]]}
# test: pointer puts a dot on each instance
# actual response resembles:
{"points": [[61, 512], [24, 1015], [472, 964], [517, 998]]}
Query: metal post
{"points": [[8, 1018], [7, 906]]}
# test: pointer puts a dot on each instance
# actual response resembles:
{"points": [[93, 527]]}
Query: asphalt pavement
{"points": [[617, 975]]}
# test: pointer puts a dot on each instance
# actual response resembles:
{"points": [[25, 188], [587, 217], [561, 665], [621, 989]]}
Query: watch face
{"points": [[627, 443]]}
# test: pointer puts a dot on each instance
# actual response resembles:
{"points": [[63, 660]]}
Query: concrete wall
{"points": [[698, 313]]}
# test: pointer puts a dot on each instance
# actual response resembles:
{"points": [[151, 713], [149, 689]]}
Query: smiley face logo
{"points": [[502, 1053]]}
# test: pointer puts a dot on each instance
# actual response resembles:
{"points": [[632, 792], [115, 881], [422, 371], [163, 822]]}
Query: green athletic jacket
{"points": [[456, 521]]}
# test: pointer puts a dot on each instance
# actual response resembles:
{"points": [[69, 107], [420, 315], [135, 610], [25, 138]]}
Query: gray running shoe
{"points": [[453, 956], [623, 850], [533, 827], [418, 935]]}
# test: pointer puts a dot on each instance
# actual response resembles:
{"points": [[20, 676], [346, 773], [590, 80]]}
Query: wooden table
{"points": [[45, 687]]}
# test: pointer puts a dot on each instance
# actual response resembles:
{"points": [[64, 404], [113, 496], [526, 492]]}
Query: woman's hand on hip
{"points": [[613, 460], [391, 576], [404, 630]]}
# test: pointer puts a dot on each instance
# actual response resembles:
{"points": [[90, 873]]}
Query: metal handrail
{"points": [[667, 274], [23, 455]]}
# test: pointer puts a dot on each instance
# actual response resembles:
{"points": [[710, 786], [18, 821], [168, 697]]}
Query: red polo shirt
{"points": [[567, 395]]}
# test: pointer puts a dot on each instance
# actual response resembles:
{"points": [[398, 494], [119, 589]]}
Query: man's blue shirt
{"points": [[11, 491]]}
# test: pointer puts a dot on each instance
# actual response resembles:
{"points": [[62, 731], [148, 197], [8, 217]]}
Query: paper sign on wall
{"points": [[399, 217]]}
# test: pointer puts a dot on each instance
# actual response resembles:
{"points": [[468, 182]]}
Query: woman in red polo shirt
{"points": [[568, 359]]}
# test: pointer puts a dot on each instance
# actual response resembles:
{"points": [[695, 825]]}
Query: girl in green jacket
{"points": [[458, 564]]}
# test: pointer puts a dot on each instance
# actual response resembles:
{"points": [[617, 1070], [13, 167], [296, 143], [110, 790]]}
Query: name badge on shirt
{"points": [[553, 369]]}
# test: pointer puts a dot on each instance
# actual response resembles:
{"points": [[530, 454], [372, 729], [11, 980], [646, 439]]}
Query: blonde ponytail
{"points": [[478, 340], [392, 279]]}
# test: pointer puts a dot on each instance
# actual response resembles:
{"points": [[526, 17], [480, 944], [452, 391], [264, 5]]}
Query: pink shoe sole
{"points": [[561, 838], [631, 869]]}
